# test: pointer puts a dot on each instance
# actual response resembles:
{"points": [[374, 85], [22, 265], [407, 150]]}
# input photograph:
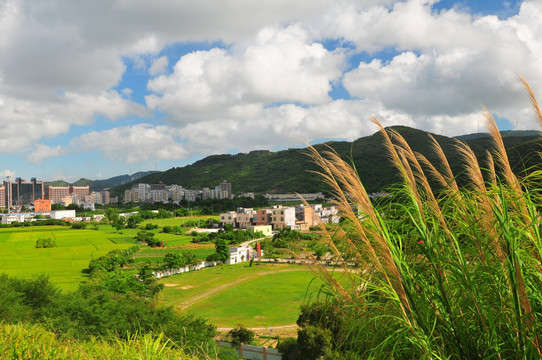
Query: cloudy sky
{"points": [[99, 88]]}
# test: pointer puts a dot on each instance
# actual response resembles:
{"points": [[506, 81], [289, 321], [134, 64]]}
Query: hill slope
{"points": [[291, 170]]}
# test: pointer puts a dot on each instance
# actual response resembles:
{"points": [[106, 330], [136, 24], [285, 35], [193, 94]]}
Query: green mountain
{"points": [[99, 185], [292, 170]]}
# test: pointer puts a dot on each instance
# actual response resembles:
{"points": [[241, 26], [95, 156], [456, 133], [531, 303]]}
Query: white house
{"points": [[19, 217], [241, 254], [62, 214]]}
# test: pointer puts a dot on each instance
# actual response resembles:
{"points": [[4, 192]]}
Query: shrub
{"points": [[79, 225], [45, 243], [241, 335]]}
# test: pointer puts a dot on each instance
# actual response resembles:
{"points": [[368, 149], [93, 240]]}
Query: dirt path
{"points": [[283, 327], [191, 301]]}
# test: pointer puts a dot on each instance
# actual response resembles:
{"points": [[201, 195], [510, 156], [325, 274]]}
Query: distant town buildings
{"points": [[294, 197], [299, 217], [175, 193], [20, 192]]}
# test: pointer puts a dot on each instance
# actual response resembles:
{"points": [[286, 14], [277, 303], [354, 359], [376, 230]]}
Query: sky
{"points": [[100, 88]]}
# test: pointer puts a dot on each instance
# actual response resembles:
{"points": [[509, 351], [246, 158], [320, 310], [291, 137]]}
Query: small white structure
{"points": [[266, 230], [18, 217], [62, 214], [241, 254]]}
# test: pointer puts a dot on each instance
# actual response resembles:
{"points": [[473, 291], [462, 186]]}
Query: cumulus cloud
{"points": [[269, 82], [42, 152], [24, 122], [159, 66], [282, 66], [7, 174], [133, 144]]}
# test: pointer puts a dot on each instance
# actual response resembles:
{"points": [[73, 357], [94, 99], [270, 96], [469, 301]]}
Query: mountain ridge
{"points": [[291, 170]]}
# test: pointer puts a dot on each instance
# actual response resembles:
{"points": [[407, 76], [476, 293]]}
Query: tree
{"points": [[241, 335], [174, 260], [112, 215], [45, 243], [147, 237], [314, 342], [79, 225], [222, 249], [133, 221]]}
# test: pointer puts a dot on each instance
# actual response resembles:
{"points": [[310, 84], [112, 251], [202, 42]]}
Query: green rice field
{"points": [[65, 262]]}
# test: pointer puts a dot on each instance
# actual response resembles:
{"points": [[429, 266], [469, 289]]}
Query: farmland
{"points": [[270, 293], [65, 263]]}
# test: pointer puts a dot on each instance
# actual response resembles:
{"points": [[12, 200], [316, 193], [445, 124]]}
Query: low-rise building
{"points": [[41, 205], [62, 214], [241, 254], [228, 218], [282, 217], [262, 217], [266, 230]]}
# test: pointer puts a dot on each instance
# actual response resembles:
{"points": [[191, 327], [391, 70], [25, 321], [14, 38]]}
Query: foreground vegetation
{"points": [[445, 272]]}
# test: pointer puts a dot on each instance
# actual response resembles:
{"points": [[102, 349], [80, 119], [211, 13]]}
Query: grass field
{"points": [[180, 221], [264, 295], [63, 263], [75, 248]]}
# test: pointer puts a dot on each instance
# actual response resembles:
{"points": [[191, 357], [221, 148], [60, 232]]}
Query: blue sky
{"points": [[119, 87]]}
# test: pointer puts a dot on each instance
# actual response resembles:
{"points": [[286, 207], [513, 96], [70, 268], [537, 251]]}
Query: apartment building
{"points": [[57, 193], [21, 192], [262, 217], [282, 217]]}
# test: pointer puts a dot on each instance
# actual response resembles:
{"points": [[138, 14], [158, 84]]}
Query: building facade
{"points": [[20, 192]]}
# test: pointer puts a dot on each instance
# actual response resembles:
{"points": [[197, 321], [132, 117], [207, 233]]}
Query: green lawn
{"points": [[265, 301], [264, 295]]}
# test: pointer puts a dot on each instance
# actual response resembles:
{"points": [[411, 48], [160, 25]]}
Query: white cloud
{"points": [[24, 122], [159, 66], [462, 62], [268, 85], [42, 152], [282, 66], [132, 144], [4, 174]]}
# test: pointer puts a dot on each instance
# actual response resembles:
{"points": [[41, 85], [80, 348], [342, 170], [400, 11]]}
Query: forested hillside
{"points": [[290, 170]]}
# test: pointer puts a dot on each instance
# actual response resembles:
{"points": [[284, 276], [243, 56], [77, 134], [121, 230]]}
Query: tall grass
{"points": [[444, 272], [33, 342]]}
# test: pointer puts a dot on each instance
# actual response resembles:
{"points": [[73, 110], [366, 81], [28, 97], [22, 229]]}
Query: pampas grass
{"points": [[450, 273]]}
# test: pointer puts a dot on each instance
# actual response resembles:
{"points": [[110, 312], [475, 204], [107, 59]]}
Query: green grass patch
{"points": [[261, 295], [180, 221], [264, 301], [63, 263], [201, 252]]}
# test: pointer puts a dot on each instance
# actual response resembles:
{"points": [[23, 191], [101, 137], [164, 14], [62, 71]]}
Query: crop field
{"points": [[181, 221], [63, 263], [155, 255], [264, 295], [75, 248]]}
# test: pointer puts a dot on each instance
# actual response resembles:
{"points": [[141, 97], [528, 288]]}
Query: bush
{"points": [[79, 225], [45, 243], [241, 335]]}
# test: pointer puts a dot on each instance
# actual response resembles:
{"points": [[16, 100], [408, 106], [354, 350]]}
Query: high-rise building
{"points": [[21, 192], [225, 189], [56, 193], [2, 196]]}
